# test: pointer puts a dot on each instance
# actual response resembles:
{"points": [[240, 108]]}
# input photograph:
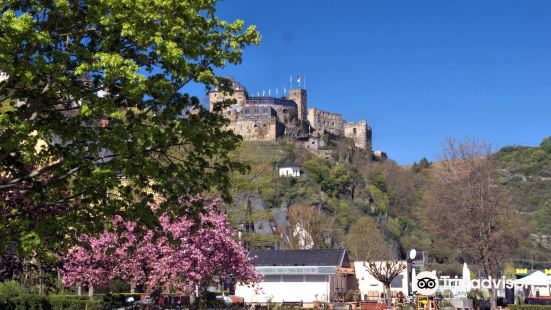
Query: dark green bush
{"points": [[118, 300], [529, 307], [32, 302], [53, 302]]}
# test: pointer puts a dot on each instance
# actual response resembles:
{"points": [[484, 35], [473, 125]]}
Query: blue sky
{"points": [[417, 71]]}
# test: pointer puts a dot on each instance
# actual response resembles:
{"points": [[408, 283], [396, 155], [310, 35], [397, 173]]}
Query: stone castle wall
{"points": [[360, 132], [323, 121], [215, 96], [257, 129]]}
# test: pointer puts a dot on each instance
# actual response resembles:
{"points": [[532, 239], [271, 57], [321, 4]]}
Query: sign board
{"points": [[298, 270]]}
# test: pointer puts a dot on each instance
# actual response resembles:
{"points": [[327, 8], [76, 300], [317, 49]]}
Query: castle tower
{"points": [[361, 133], [239, 94], [299, 96]]}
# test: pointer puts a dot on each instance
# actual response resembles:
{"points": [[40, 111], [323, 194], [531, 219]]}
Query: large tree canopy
{"points": [[93, 113], [200, 257]]}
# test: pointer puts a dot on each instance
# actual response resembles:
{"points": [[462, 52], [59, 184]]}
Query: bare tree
{"points": [[467, 210], [385, 272], [365, 242], [310, 227]]}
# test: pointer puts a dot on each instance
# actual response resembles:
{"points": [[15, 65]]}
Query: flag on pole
{"points": [[269, 92], [284, 90], [277, 91], [263, 92], [291, 78], [298, 79]]}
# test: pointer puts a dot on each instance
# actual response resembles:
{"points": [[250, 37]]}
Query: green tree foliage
{"points": [[377, 179], [340, 182], [364, 241], [380, 199], [142, 140], [546, 144], [542, 219], [318, 170]]}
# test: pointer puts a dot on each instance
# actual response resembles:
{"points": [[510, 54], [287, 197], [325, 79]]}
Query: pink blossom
{"points": [[206, 255]]}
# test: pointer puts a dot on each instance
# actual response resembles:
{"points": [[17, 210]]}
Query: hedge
{"points": [[52, 302], [529, 307]]}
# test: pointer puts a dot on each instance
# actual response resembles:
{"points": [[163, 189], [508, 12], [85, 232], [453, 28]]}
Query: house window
{"points": [[397, 282]]}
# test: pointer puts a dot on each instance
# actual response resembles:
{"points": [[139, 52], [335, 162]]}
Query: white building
{"points": [[289, 171], [372, 289], [299, 276], [3, 76]]}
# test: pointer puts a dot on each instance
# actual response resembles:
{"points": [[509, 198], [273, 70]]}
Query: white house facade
{"points": [[299, 276], [371, 288]]}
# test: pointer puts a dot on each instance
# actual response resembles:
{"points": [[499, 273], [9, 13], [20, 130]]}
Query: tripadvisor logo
{"points": [[427, 283]]}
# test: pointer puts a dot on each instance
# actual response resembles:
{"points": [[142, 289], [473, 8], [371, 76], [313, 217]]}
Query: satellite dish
{"points": [[412, 254]]}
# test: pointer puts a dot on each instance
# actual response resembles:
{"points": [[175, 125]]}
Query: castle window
{"points": [[246, 111], [284, 110], [354, 130], [255, 111]]}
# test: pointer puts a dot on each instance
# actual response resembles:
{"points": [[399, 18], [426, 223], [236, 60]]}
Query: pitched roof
{"points": [[319, 257]]}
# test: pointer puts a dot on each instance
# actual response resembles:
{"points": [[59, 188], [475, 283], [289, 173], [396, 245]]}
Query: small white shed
{"points": [[289, 171]]}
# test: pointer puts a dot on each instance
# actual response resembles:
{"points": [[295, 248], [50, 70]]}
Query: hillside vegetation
{"points": [[527, 175], [356, 202]]}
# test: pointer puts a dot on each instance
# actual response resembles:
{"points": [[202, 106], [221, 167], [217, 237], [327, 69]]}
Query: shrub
{"points": [[52, 302], [32, 302], [9, 290], [447, 293], [477, 295], [529, 307]]}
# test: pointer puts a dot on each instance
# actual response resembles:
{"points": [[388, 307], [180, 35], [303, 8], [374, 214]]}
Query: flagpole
{"points": [[290, 82]]}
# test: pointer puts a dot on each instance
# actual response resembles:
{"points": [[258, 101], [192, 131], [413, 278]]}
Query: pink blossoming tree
{"points": [[183, 253]]}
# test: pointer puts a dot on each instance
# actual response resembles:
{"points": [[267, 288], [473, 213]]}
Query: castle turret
{"points": [[360, 132], [239, 94], [299, 96]]}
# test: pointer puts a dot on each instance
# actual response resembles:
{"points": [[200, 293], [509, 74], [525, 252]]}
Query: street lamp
{"points": [[410, 259]]}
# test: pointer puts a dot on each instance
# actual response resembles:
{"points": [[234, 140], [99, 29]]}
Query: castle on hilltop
{"points": [[268, 118]]}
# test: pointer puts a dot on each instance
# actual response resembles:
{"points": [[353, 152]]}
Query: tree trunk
{"points": [[388, 296], [133, 287], [79, 290], [90, 290], [493, 297]]}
